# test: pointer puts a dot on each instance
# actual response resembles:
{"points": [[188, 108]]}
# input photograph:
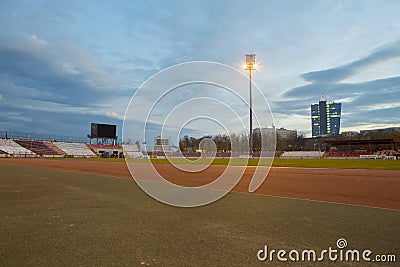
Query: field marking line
{"points": [[239, 192], [320, 201]]}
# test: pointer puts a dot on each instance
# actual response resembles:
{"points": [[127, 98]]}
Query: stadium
{"points": [[199, 133], [70, 194]]}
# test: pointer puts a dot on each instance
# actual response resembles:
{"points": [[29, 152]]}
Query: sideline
{"points": [[233, 191]]}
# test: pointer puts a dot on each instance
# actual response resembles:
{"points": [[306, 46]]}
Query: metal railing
{"points": [[42, 137]]}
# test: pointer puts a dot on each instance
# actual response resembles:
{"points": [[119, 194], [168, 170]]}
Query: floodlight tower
{"points": [[250, 66]]}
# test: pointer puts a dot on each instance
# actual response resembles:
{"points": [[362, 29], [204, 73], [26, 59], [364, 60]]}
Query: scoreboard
{"points": [[103, 131]]}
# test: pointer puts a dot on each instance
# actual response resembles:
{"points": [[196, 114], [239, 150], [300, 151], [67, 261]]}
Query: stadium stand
{"points": [[75, 149], [223, 154], [347, 154], [105, 146], [107, 150], [3, 154], [176, 154], [12, 148], [50, 145], [302, 154], [132, 151], [39, 147], [192, 154]]}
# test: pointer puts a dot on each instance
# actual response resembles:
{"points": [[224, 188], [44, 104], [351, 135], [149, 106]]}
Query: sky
{"points": [[65, 64]]}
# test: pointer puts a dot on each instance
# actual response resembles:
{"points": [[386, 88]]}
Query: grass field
{"points": [[51, 217], [339, 163], [305, 163]]}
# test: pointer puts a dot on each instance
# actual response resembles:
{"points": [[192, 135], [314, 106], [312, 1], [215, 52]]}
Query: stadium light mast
{"points": [[250, 66]]}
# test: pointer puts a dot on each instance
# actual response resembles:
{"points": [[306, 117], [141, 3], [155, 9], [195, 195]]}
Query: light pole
{"points": [[250, 66]]}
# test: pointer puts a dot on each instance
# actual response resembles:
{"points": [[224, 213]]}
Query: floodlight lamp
{"points": [[250, 61]]}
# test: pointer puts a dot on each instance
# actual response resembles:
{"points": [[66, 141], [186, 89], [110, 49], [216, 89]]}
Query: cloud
{"points": [[84, 59], [48, 86], [108, 114], [375, 116], [313, 90], [343, 72], [65, 74], [74, 123], [368, 101]]}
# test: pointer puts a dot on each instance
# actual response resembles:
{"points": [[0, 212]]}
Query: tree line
{"points": [[239, 142], [232, 143]]}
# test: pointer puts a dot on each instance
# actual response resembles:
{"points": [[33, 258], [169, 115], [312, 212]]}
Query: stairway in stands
{"points": [[38, 147]]}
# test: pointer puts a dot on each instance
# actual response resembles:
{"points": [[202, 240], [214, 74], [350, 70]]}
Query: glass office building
{"points": [[325, 118]]}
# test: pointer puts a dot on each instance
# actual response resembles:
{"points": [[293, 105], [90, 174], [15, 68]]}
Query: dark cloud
{"points": [[329, 80], [291, 106], [348, 70], [85, 55], [53, 88], [339, 90], [77, 124], [375, 116], [29, 62], [374, 101]]}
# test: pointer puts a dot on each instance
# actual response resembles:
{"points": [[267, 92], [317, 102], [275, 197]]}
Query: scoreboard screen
{"points": [[103, 130]]}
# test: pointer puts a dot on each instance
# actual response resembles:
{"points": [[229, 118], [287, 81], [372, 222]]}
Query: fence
{"points": [[42, 137]]}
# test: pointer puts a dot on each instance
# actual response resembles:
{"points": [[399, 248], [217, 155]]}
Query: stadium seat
{"points": [[302, 154], [12, 148], [39, 147], [75, 149], [132, 151]]}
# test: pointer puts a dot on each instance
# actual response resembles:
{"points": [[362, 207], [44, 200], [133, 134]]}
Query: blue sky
{"points": [[64, 64]]}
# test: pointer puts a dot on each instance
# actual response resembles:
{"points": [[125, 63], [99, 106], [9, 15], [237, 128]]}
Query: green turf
{"points": [[339, 163], [310, 163], [304, 163], [51, 217]]}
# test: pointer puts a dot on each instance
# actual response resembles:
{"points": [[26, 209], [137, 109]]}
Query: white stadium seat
{"points": [[75, 149], [302, 154], [12, 148], [133, 151]]}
